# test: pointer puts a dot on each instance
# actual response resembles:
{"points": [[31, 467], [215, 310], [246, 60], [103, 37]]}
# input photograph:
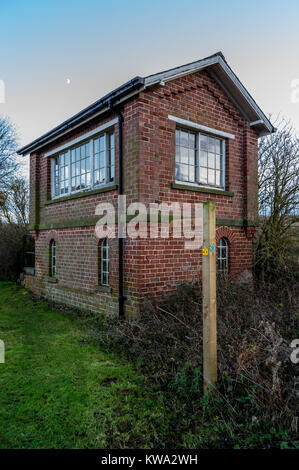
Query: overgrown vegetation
{"points": [[278, 162], [255, 401]]}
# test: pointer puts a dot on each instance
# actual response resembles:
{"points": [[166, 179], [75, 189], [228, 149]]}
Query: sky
{"points": [[57, 57]]}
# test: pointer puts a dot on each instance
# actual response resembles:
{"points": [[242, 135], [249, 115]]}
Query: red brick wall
{"points": [[151, 267]]}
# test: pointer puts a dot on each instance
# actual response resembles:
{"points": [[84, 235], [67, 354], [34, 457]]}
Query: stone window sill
{"points": [[52, 279], [201, 189], [100, 288], [104, 189]]}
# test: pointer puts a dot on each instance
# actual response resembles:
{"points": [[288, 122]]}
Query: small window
{"points": [[200, 159], [53, 258], [223, 255], [104, 271]]}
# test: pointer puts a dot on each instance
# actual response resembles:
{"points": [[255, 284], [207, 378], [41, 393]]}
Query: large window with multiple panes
{"points": [[200, 159], [85, 166]]}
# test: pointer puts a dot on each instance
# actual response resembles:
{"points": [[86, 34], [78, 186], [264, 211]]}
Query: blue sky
{"points": [[59, 56]]}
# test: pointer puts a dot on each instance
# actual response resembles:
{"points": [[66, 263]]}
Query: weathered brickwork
{"points": [[152, 267]]}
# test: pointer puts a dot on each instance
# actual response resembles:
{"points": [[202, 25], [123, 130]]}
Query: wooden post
{"points": [[209, 296]]}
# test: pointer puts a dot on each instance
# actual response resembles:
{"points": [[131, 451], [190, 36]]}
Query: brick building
{"points": [[188, 134]]}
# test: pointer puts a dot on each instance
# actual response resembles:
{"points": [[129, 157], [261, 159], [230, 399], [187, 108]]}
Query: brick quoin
{"points": [[152, 267]]}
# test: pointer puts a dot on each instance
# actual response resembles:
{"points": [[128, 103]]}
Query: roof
{"points": [[219, 70]]}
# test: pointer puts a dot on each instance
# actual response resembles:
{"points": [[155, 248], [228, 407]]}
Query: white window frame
{"points": [[104, 244], [209, 131], [53, 269], [197, 165], [106, 130], [223, 244]]}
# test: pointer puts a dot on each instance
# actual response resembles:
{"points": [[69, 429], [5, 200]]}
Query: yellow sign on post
{"points": [[209, 296]]}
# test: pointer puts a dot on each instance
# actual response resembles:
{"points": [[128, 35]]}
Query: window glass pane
{"points": [[102, 143], [182, 172], [184, 139], [203, 158], [211, 160], [112, 173], [211, 176], [203, 175], [211, 144], [96, 162], [191, 156], [102, 175], [217, 144], [191, 174], [184, 155], [111, 140], [102, 160], [218, 178], [87, 164], [203, 142], [77, 171]]}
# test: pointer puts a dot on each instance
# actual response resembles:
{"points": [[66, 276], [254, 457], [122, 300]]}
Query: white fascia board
{"points": [[180, 71], [86, 136], [194, 125]]}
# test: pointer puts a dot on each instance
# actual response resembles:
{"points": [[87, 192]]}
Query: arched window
{"points": [[53, 258], [223, 255], [104, 271]]}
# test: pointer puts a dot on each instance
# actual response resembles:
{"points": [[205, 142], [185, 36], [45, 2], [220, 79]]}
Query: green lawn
{"points": [[57, 390]]}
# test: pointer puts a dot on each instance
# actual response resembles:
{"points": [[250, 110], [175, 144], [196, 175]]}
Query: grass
{"points": [[59, 390]]}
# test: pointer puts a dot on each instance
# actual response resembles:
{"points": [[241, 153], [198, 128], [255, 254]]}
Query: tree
{"points": [[8, 146], [278, 163], [14, 201]]}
